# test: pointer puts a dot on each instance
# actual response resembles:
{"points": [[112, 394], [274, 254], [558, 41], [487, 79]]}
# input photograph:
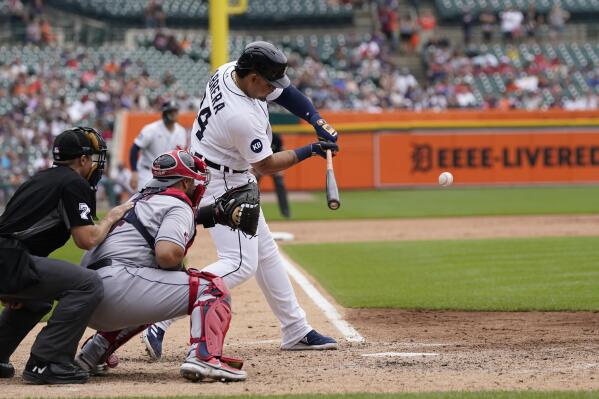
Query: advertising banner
{"points": [[488, 158]]}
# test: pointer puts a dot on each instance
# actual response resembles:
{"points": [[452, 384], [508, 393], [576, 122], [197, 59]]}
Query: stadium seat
{"points": [[191, 11], [453, 9]]}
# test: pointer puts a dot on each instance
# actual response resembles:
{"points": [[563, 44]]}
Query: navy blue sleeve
{"points": [[133, 154], [298, 104]]}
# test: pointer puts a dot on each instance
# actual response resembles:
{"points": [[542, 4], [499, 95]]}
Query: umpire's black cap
{"points": [[267, 60], [75, 142]]}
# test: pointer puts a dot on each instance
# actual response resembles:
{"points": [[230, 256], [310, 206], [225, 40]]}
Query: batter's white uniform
{"points": [[155, 139], [233, 130]]}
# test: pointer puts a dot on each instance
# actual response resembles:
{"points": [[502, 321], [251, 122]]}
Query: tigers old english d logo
{"points": [[256, 146], [422, 157]]}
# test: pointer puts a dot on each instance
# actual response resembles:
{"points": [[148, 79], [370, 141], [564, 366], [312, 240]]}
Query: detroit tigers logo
{"points": [[256, 146], [85, 211]]}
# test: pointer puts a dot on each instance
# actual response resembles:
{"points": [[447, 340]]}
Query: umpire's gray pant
{"points": [[77, 290]]}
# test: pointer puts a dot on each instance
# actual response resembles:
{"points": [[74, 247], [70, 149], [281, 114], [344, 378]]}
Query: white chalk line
{"points": [[421, 344], [400, 354], [327, 308], [256, 342]]}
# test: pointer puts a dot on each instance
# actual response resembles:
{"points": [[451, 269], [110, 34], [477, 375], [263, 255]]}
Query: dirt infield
{"points": [[425, 351]]}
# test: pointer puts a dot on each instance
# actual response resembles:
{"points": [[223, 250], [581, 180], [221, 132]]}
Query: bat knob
{"points": [[334, 205]]}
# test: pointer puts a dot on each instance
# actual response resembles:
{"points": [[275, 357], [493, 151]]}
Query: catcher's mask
{"points": [[79, 141], [173, 166]]}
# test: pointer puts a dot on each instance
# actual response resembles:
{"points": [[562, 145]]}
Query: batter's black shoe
{"points": [[7, 370], [54, 373]]}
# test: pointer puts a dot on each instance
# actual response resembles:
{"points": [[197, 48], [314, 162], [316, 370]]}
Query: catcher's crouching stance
{"points": [[140, 263]]}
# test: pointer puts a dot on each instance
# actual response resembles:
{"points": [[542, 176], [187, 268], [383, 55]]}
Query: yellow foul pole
{"points": [[219, 29]]}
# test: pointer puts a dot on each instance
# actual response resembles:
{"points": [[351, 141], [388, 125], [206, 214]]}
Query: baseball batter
{"points": [[140, 263], [154, 139], [232, 134]]}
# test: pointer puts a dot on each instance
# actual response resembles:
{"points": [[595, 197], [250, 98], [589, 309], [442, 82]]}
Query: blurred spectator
{"points": [[121, 178], [531, 21], [389, 25], [588, 102], [511, 24], [46, 34], [168, 42], [16, 8], [173, 45], [407, 30], [467, 24], [557, 20], [155, 17], [34, 34], [160, 41], [488, 21], [428, 25]]}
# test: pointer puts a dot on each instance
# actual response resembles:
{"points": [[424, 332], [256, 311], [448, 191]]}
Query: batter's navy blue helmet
{"points": [[267, 61]]}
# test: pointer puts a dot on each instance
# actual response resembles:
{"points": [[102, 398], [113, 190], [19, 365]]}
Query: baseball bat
{"points": [[332, 190]]}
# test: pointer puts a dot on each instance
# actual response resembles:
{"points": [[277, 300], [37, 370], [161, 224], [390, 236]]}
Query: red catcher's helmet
{"points": [[173, 166]]}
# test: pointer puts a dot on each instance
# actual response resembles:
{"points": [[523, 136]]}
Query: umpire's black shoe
{"points": [[54, 373], [6, 370]]}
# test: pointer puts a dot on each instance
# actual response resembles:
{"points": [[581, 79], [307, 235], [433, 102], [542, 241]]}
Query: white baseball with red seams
{"points": [[446, 179]]}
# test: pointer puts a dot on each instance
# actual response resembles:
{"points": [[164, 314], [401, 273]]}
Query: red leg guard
{"points": [[213, 314]]}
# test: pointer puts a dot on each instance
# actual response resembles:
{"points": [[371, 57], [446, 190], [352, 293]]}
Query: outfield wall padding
{"points": [[402, 149]]}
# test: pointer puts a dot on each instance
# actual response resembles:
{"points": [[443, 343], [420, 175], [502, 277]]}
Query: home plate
{"points": [[399, 354], [282, 236]]}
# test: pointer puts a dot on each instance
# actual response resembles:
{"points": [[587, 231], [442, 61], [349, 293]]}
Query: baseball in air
{"points": [[445, 179]]}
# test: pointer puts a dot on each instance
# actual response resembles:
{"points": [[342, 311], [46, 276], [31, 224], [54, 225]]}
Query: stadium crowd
{"points": [[40, 107]]}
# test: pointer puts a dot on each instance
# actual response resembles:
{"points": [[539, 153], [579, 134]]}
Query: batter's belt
{"points": [[214, 165]]}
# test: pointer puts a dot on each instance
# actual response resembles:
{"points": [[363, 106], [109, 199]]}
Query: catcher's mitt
{"points": [[238, 208]]}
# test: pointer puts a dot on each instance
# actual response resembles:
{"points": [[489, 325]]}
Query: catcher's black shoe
{"points": [[54, 373], [6, 370]]}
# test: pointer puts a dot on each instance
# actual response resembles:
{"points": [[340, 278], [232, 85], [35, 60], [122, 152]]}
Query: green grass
{"points": [[427, 395], [68, 252], [495, 275], [447, 202]]}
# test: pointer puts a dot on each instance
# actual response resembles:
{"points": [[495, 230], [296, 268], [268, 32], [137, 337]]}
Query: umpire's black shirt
{"points": [[43, 209]]}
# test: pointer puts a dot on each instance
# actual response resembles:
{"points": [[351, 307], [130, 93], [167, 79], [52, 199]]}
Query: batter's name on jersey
{"points": [[256, 145], [215, 95]]}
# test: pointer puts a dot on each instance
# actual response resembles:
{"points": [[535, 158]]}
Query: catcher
{"points": [[140, 263]]}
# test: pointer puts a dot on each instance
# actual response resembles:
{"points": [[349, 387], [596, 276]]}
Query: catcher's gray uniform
{"points": [[136, 290]]}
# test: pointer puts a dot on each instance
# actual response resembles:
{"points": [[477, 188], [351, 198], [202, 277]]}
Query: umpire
{"points": [[41, 216]]}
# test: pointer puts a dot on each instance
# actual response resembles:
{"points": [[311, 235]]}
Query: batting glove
{"points": [[318, 148], [324, 131]]}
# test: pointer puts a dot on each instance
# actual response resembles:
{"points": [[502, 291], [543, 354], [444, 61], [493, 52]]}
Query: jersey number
{"points": [[203, 117], [85, 211]]}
